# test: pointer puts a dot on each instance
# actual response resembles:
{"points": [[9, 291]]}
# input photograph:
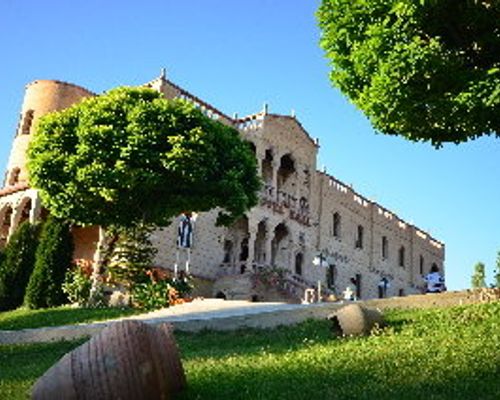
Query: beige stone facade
{"points": [[307, 222]]}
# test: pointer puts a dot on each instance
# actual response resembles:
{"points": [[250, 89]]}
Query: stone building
{"points": [[307, 222]]}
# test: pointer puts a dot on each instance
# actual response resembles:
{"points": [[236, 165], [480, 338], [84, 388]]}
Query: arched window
{"points": [[337, 221], [402, 256], [28, 119], [14, 176], [359, 238]]}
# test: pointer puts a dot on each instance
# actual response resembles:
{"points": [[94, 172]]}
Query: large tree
{"points": [[132, 157], [428, 70]]}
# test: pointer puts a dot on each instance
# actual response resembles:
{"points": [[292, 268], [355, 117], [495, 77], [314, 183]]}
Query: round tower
{"points": [[41, 97]]}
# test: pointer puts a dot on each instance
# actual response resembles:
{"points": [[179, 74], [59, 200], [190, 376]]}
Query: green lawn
{"points": [[24, 318], [434, 354]]}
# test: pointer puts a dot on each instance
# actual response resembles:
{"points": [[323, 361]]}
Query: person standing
{"points": [[434, 280]]}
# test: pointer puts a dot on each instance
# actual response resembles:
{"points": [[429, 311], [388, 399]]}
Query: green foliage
{"points": [[132, 255], [131, 156], [151, 295], [18, 263], [496, 277], [478, 279], [158, 294], [427, 70], [76, 286], [54, 256]]}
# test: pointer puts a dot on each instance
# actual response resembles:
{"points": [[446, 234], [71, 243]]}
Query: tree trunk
{"points": [[95, 290], [103, 253]]}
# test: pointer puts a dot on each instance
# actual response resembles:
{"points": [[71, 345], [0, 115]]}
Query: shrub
{"points": [[157, 294], [53, 258], [152, 295], [18, 262], [77, 284]]}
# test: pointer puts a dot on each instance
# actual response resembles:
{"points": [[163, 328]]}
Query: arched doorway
{"points": [[279, 246]]}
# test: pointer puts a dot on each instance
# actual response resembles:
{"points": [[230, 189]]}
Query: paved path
{"points": [[213, 314], [218, 314]]}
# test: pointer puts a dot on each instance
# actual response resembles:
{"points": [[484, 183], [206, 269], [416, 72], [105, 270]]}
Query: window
{"points": [[336, 225], [14, 176], [402, 256], [330, 276], [401, 292], [28, 119], [358, 286], [359, 239], [421, 265], [299, 258], [385, 247]]}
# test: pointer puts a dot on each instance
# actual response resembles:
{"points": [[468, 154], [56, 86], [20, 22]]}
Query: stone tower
{"points": [[19, 202], [41, 97]]}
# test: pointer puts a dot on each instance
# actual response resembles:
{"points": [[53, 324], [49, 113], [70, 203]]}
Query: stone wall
{"points": [[292, 227]]}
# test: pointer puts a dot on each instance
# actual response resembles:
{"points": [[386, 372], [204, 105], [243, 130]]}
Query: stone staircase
{"points": [[242, 287]]}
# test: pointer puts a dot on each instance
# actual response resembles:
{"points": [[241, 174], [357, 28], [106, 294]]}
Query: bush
{"points": [[77, 284], [152, 295], [53, 258], [18, 262]]}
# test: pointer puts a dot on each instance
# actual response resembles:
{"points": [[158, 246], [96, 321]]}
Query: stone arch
{"points": [[279, 245], [23, 210], [267, 167], [236, 241], [5, 223], [260, 242], [286, 170]]}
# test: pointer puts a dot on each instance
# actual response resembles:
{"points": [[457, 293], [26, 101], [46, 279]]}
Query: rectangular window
{"points": [[330, 276], [336, 225], [359, 238], [385, 247], [358, 286]]}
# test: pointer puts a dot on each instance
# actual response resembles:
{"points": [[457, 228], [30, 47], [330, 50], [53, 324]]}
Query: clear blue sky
{"points": [[238, 54]]}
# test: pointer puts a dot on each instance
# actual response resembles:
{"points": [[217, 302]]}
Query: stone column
{"points": [[36, 208], [260, 159], [251, 248], [275, 166], [268, 246], [14, 217]]}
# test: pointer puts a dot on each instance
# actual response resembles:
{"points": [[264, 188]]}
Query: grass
{"points": [[433, 354], [24, 318]]}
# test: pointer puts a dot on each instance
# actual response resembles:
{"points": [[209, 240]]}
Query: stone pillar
{"points": [[14, 217], [268, 246], [260, 160], [36, 208], [275, 166], [251, 248]]}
